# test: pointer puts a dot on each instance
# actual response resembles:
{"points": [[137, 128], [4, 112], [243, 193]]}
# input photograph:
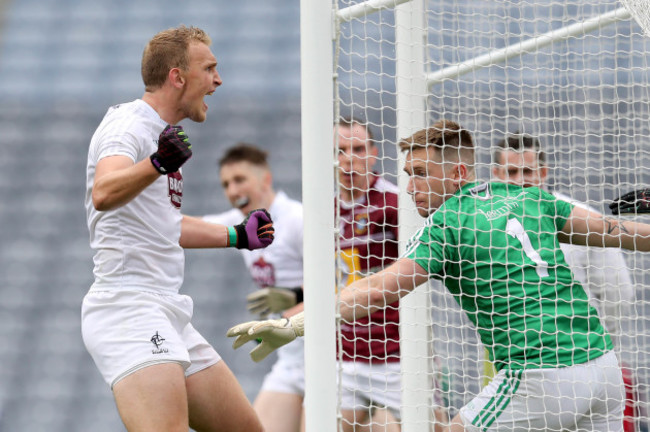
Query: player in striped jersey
{"points": [[367, 203], [497, 249]]}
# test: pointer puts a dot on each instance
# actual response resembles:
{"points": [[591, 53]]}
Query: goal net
{"points": [[574, 76]]}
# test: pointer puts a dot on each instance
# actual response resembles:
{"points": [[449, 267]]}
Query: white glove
{"points": [[272, 300], [273, 333]]}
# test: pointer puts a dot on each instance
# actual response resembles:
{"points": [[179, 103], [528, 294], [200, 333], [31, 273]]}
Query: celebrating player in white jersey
{"points": [[496, 248], [277, 271], [164, 375], [519, 159]]}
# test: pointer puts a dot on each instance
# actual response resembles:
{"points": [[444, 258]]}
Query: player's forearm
{"points": [[633, 236], [197, 233], [118, 187], [610, 232], [370, 294], [585, 227], [300, 307], [366, 296]]}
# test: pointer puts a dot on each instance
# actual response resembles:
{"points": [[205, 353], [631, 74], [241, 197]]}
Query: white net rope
{"points": [[585, 97], [640, 11]]}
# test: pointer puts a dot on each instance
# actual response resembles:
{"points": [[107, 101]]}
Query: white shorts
{"points": [[285, 377], [364, 385], [125, 331], [288, 373], [585, 397]]}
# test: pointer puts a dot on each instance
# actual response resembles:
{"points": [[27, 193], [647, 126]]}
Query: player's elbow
{"points": [[378, 297], [101, 200]]}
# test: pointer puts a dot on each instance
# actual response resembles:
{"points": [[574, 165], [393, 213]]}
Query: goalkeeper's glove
{"points": [[273, 334], [272, 300], [255, 232], [637, 201], [174, 149]]}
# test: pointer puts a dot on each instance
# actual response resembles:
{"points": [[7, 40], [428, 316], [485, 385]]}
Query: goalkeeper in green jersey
{"points": [[496, 247]]}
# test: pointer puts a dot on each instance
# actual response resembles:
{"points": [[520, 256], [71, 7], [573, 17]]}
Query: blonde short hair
{"points": [[167, 50], [448, 138]]}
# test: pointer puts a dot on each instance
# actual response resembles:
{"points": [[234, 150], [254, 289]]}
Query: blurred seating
{"points": [[61, 65]]}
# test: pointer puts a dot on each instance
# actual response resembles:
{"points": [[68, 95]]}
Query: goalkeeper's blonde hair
{"points": [[448, 138]]}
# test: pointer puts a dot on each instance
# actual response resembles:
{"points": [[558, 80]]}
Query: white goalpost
{"points": [[573, 74], [318, 204]]}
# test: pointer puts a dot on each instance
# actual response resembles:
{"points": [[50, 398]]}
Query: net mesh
{"points": [[585, 98], [640, 10]]}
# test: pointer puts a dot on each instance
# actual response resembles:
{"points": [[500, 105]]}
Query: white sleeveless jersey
{"points": [[136, 245], [280, 264]]}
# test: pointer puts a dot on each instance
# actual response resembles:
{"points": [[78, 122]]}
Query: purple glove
{"points": [[255, 232], [174, 149]]}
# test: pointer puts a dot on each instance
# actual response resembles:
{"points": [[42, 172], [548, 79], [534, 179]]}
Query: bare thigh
{"points": [[218, 403], [153, 399], [352, 419], [279, 412], [382, 420]]}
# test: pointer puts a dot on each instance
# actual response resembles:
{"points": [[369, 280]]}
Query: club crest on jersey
{"points": [[263, 273], [175, 183], [361, 223]]}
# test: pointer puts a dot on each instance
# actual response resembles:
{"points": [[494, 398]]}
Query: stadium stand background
{"points": [[61, 65]]}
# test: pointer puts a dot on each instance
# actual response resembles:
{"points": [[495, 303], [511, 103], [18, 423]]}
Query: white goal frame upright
{"points": [[318, 80]]}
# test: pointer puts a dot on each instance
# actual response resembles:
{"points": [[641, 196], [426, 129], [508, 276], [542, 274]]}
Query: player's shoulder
{"points": [[434, 226], [128, 112], [383, 185], [383, 193], [488, 198], [230, 217], [499, 190], [287, 206], [562, 197], [514, 193], [135, 118]]}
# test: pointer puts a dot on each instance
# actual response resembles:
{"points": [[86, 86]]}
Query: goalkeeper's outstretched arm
{"points": [[587, 227], [370, 294], [357, 300]]}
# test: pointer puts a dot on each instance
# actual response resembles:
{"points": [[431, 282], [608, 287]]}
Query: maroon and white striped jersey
{"points": [[368, 243]]}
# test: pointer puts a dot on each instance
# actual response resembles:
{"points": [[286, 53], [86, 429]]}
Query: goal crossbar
{"points": [[529, 45], [366, 8]]}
